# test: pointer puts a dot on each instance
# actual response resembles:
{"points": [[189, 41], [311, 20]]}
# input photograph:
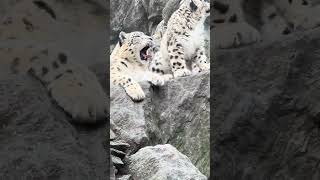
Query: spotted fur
{"points": [[182, 43], [130, 61]]}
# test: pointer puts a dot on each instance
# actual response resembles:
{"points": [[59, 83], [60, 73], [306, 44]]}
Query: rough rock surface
{"points": [[138, 15], [266, 110], [37, 140], [162, 162], [177, 114], [128, 117]]}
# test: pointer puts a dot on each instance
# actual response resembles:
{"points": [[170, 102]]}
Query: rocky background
{"points": [[38, 141], [265, 123]]}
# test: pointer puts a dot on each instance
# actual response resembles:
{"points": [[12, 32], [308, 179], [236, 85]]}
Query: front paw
{"points": [[82, 98], [195, 68], [204, 67], [181, 73], [157, 80], [167, 77], [202, 64], [234, 35], [135, 92]]}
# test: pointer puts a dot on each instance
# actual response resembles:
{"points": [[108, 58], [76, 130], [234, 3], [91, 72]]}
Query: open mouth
{"points": [[145, 53]]}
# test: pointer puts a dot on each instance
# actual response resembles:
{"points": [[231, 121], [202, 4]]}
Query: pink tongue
{"points": [[146, 56]]}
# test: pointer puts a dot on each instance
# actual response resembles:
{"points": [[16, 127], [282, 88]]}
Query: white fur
{"points": [[195, 40]]}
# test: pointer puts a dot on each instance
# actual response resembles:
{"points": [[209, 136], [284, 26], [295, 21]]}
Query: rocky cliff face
{"points": [[176, 114], [131, 16], [266, 110]]}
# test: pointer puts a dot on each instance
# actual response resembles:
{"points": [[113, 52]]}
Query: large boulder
{"points": [[266, 110], [162, 162]]}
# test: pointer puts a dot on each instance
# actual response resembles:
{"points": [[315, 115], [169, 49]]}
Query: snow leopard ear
{"points": [[193, 6], [122, 37]]}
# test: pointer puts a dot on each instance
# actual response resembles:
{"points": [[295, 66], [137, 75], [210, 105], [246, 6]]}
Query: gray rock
{"points": [[112, 135], [127, 15], [177, 113], [37, 140], [113, 172], [170, 7], [120, 145], [116, 161], [118, 150], [117, 153], [128, 117], [125, 177], [162, 162], [266, 115]]}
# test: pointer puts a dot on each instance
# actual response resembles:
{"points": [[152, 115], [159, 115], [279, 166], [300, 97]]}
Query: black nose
{"points": [[207, 11]]}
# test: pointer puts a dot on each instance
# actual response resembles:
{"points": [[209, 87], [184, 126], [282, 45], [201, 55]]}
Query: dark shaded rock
{"points": [[265, 123], [119, 145], [37, 140]]}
